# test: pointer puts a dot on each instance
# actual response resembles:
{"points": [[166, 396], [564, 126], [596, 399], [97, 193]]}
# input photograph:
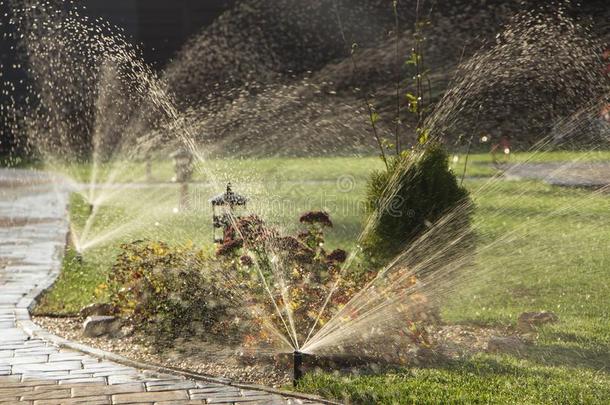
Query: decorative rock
{"points": [[498, 344], [97, 309], [529, 321], [124, 331], [423, 356], [95, 326]]}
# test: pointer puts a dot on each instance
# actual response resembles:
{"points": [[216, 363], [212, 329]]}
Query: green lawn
{"points": [[300, 169], [551, 252], [558, 260], [484, 379]]}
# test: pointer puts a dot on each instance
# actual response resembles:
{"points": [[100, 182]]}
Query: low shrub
{"points": [[409, 199], [298, 273], [260, 286], [170, 292]]}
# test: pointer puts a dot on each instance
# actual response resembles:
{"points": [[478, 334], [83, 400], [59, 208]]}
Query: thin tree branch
{"points": [[397, 62]]}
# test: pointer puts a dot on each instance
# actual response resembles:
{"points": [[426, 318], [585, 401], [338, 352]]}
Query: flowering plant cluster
{"points": [[290, 276], [261, 288]]}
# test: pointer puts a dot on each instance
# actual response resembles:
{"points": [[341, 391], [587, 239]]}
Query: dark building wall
{"points": [[161, 26], [122, 13]]}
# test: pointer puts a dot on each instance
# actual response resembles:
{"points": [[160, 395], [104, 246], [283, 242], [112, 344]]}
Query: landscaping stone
{"points": [[95, 326], [530, 321], [505, 344], [423, 356], [100, 309]]}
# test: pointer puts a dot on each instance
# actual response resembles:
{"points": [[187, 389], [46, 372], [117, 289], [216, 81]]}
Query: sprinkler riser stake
{"points": [[297, 359]]}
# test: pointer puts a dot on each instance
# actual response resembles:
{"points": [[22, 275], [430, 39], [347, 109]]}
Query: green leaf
{"points": [[387, 144], [424, 135], [374, 118], [413, 102], [414, 59]]}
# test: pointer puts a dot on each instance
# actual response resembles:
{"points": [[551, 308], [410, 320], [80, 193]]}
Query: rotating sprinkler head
{"points": [[79, 257], [297, 359], [91, 206]]}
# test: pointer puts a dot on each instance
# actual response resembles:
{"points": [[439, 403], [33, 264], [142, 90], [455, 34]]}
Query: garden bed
{"points": [[196, 356], [453, 342]]}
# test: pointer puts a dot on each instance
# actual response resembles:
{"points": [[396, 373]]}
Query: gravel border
{"points": [[36, 331], [194, 354]]}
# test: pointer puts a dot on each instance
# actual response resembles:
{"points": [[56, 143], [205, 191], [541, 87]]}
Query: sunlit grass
{"points": [[558, 261], [301, 169], [485, 379]]}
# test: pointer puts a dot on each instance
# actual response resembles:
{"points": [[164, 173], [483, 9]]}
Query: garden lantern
{"points": [[183, 165], [148, 166], [224, 210]]}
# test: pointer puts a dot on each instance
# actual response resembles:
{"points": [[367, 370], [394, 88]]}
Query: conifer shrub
{"points": [[417, 195]]}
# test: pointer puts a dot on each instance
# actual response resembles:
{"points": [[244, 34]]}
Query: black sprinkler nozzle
{"points": [[298, 367]]}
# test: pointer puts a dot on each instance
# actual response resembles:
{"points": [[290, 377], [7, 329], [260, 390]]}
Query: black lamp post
{"points": [[183, 165], [224, 207]]}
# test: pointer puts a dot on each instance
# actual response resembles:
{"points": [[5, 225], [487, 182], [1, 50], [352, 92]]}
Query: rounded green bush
{"points": [[417, 195]]}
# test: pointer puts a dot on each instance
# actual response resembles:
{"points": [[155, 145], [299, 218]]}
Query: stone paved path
{"points": [[570, 174], [33, 229]]}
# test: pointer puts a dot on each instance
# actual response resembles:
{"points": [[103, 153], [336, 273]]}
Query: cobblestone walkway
{"points": [[33, 228]]}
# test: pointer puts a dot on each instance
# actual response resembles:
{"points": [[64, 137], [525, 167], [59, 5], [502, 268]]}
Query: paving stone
{"points": [[4, 354], [35, 351], [40, 375], [56, 366], [17, 391], [150, 396], [212, 390], [222, 400], [67, 356], [53, 393], [8, 400], [25, 360], [97, 400], [169, 385], [107, 389], [82, 380], [118, 372], [124, 379], [270, 401], [19, 383]]}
